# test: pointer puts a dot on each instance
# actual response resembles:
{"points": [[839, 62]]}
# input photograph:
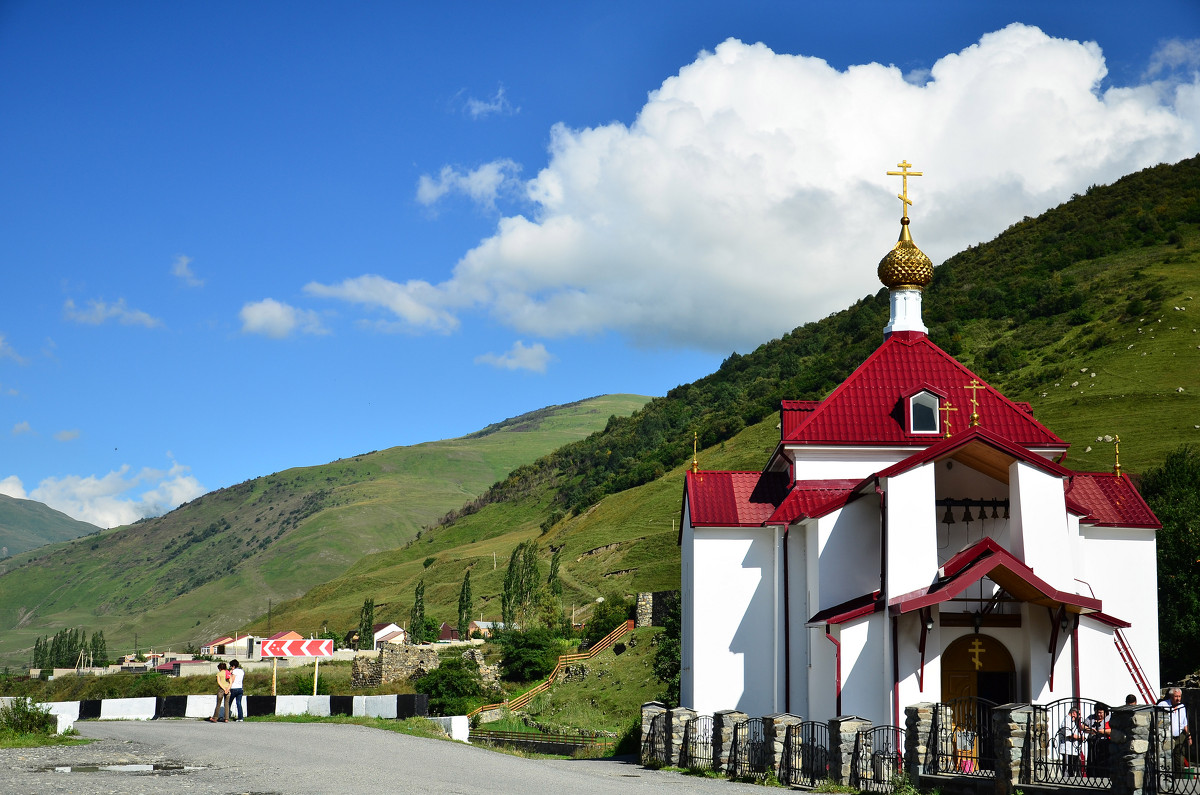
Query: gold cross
{"points": [[904, 172], [946, 420], [1117, 456], [695, 461], [977, 650], [974, 387]]}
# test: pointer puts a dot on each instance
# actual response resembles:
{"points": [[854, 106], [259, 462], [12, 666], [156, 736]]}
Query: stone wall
{"points": [[652, 607], [394, 662]]}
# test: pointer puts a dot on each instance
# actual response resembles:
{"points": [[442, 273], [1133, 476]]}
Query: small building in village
{"points": [[915, 536]]}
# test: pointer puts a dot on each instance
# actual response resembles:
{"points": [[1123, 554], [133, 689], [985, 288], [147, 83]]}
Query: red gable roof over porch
{"points": [[868, 407]]}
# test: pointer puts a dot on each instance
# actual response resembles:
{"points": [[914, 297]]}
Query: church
{"points": [[914, 537]]}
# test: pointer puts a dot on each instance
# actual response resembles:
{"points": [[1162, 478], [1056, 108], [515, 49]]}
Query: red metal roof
{"points": [[854, 608], [988, 559], [867, 408], [734, 499], [812, 498], [794, 412], [1111, 501]]}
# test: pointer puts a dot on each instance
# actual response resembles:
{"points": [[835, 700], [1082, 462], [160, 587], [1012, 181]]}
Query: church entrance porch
{"points": [[978, 666]]}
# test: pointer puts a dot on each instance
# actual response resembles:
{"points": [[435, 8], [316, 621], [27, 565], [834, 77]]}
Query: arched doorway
{"points": [[978, 666]]}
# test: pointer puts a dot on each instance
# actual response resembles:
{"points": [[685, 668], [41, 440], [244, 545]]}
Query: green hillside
{"points": [[1083, 312], [26, 525], [213, 564]]}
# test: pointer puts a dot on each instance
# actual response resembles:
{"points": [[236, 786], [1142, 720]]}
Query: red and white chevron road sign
{"points": [[312, 647]]}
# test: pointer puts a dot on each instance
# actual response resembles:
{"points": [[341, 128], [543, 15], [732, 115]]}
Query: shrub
{"points": [[22, 716], [452, 687], [528, 655], [607, 616]]}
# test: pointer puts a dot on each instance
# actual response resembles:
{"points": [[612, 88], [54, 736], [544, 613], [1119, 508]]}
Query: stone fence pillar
{"points": [[677, 721], [775, 729], [723, 723], [1010, 744], [918, 734], [1131, 727], [650, 711], [843, 734]]}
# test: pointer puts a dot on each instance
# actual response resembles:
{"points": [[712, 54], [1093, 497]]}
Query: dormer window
{"points": [[923, 415]]}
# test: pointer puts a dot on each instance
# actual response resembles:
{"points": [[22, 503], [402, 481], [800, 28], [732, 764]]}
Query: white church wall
{"points": [[848, 554], [1038, 619], [1040, 534], [687, 609], [798, 613], [866, 674], [834, 463], [1102, 675], [734, 651], [916, 688], [1109, 554], [911, 530], [821, 680]]}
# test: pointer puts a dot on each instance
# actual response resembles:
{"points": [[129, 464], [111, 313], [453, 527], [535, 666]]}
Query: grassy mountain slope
{"points": [[214, 563], [26, 525], [1101, 285]]}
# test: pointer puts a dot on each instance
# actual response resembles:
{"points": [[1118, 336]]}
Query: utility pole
{"points": [[268, 618], [136, 653]]}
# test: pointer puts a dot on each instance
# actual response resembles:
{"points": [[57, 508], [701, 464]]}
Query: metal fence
{"points": [[878, 761], [1172, 763], [697, 750], [805, 754], [654, 743], [749, 751], [962, 738], [1064, 745]]}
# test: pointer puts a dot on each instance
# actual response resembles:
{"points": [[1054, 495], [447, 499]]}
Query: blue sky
{"points": [[241, 237]]}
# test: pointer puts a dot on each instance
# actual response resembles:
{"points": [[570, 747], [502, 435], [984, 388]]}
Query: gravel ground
{"points": [[288, 758]]}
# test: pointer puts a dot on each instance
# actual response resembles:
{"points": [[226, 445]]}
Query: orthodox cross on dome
{"points": [[1117, 456], [974, 386], [946, 421], [904, 173], [695, 461]]}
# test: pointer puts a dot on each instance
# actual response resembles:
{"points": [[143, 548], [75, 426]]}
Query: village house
{"points": [[914, 537]]}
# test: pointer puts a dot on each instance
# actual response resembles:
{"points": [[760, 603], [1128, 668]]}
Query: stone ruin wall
{"points": [[400, 662]]}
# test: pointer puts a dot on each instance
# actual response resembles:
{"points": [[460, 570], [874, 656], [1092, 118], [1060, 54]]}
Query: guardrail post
{"points": [[1131, 728], [722, 743], [677, 720], [1010, 735]]}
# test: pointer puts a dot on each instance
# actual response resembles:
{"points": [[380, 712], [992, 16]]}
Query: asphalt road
{"points": [[296, 758]]}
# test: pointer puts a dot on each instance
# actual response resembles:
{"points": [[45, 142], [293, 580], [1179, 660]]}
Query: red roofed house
{"points": [[913, 539]]}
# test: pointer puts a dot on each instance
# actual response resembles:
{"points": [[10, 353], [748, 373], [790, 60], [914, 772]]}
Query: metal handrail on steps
{"points": [[516, 703]]}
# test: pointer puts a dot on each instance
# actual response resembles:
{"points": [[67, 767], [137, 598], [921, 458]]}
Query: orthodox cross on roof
{"points": [[1117, 456], [695, 461], [974, 386], [904, 172], [947, 408]]}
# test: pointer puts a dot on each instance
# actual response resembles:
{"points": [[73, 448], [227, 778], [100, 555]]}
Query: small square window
{"points": [[923, 413]]}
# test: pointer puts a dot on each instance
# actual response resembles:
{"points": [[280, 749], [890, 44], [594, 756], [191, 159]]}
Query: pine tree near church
{"points": [[416, 619]]}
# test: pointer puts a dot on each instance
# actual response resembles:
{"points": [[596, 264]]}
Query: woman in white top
{"points": [[235, 688]]}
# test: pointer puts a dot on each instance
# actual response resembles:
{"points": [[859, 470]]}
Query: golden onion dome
{"points": [[905, 267]]}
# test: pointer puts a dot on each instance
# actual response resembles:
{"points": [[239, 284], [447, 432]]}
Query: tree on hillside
{"points": [[528, 654], [1173, 493], [606, 617], [464, 607], [416, 619], [521, 584], [366, 624], [99, 648], [666, 654]]}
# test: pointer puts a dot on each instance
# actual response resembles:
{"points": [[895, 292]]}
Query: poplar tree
{"points": [[366, 624], [464, 607], [416, 619]]}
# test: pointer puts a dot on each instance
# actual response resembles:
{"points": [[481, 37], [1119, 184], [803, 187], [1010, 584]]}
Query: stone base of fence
{"points": [[677, 720], [775, 729], [650, 711], [723, 723], [843, 735]]}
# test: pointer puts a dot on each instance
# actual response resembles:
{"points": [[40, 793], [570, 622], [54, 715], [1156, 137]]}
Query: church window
{"points": [[923, 413]]}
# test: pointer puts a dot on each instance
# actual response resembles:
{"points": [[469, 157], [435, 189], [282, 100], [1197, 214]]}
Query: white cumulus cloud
{"points": [[98, 312], [12, 487], [120, 497], [483, 185], [749, 194], [277, 320], [22, 427], [182, 270], [67, 435], [520, 356], [497, 103]]}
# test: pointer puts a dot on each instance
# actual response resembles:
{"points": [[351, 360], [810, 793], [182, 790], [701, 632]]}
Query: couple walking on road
{"points": [[229, 689]]}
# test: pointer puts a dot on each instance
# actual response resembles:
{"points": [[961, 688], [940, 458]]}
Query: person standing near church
{"points": [[1180, 734], [237, 675], [1070, 745], [222, 708]]}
